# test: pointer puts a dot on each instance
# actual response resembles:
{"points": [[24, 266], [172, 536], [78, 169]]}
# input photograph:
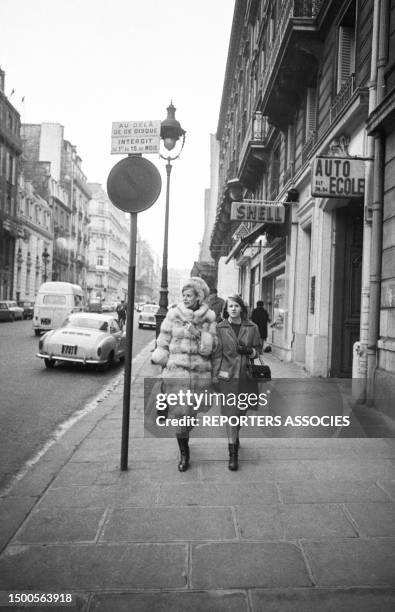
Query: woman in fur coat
{"points": [[184, 347], [238, 340]]}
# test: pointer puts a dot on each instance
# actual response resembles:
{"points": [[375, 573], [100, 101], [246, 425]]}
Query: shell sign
{"points": [[338, 177]]}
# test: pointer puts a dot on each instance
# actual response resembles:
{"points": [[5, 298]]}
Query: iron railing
{"points": [[342, 98]]}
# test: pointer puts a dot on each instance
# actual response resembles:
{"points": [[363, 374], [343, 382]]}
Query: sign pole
{"points": [[129, 342], [133, 185]]}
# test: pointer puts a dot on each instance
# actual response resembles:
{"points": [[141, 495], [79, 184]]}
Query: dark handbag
{"points": [[257, 370]]}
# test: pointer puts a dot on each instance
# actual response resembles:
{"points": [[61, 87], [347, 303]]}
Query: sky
{"points": [[88, 63]]}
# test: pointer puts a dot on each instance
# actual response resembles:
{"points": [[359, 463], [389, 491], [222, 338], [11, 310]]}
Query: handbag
{"points": [[257, 370]]}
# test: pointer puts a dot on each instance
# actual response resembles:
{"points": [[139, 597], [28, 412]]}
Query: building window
{"points": [[346, 48], [311, 113], [99, 261], [275, 173]]}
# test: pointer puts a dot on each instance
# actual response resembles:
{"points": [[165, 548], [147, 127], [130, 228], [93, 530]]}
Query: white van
{"points": [[54, 302]]}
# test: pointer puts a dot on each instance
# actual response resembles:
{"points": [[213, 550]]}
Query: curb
{"points": [[20, 496]]}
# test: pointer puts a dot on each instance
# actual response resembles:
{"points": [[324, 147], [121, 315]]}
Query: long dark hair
{"points": [[235, 298]]}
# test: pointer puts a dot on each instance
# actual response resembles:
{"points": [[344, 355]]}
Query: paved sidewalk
{"points": [[305, 524]]}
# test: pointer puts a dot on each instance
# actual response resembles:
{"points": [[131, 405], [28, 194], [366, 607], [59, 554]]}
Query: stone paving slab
{"points": [[374, 519], [94, 567], [215, 494], [13, 511], [388, 486], [262, 471], [324, 600], [331, 491], [61, 525], [246, 565], [352, 562], [368, 469], [193, 601], [169, 524], [291, 522]]}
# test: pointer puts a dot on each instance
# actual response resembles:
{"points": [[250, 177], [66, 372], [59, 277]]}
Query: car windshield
{"points": [[86, 322], [3, 306], [152, 308], [54, 299]]}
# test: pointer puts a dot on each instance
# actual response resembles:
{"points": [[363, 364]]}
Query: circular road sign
{"points": [[134, 184]]}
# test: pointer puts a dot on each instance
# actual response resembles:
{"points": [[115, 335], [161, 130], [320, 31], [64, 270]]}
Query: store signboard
{"points": [[338, 177], [257, 211]]}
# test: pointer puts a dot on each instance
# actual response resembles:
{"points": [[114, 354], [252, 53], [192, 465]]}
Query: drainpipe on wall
{"points": [[359, 385], [377, 213]]}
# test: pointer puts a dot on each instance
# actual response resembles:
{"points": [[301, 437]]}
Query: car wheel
{"points": [[36, 332], [12, 318], [140, 326], [49, 363]]}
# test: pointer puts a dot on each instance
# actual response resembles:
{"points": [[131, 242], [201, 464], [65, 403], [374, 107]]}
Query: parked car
{"points": [[147, 315], [12, 311], [108, 307], [94, 306], [28, 309], [5, 313], [86, 338]]}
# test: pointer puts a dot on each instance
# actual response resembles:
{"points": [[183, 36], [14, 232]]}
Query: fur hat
{"points": [[199, 286]]}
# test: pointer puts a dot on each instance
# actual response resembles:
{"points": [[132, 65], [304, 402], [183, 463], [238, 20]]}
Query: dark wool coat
{"points": [[186, 359], [260, 316], [229, 367]]}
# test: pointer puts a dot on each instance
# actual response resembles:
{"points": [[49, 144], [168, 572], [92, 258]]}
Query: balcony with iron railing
{"points": [[343, 97], [309, 146], [291, 57], [252, 151]]}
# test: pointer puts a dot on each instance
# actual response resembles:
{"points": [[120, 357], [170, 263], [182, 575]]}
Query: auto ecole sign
{"points": [[135, 137], [338, 177], [260, 212]]}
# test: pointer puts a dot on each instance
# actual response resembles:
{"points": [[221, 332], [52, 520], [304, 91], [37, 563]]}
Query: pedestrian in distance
{"points": [[184, 349], [238, 340], [121, 312], [260, 317], [216, 303]]}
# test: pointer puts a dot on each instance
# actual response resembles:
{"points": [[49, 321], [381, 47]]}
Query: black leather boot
{"points": [[183, 444], [233, 458]]}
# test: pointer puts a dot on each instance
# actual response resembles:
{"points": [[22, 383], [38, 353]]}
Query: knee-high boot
{"points": [[233, 457], [183, 444]]}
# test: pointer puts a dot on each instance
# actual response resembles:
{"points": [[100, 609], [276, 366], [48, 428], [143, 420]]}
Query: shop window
{"points": [[279, 300]]}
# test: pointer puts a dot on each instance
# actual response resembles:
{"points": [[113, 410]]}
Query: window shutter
{"points": [[345, 63], [311, 111]]}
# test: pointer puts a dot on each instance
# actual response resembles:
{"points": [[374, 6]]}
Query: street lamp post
{"points": [[170, 132], [45, 257]]}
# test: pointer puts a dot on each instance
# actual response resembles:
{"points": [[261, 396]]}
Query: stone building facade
{"points": [[34, 248], [107, 276], [53, 166], [300, 83], [10, 151]]}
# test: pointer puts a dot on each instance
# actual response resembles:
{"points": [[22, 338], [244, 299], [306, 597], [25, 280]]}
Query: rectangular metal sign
{"points": [[135, 137], [260, 213], [338, 177]]}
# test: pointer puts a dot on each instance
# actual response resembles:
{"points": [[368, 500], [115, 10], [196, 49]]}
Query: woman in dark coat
{"points": [[238, 340], [260, 317]]}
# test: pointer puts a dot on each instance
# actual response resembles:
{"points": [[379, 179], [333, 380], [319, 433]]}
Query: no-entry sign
{"points": [[134, 184]]}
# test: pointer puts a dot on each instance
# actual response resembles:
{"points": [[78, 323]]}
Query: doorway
{"points": [[347, 287]]}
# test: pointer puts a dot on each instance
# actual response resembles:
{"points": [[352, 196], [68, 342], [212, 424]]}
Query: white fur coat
{"points": [[178, 350]]}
